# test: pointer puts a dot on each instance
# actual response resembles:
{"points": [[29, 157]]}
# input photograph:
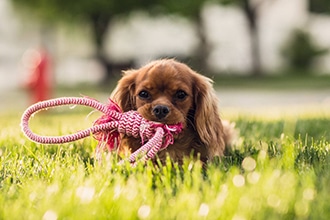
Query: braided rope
{"points": [[65, 101], [106, 128]]}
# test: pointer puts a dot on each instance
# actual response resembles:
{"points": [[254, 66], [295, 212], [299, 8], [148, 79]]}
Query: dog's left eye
{"points": [[144, 94], [180, 95]]}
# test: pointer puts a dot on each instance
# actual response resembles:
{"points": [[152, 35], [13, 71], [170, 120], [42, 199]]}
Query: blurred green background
{"points": [[261, 53]]}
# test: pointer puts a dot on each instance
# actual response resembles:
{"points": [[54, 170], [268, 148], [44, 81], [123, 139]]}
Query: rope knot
{"points": [[133, 124]]}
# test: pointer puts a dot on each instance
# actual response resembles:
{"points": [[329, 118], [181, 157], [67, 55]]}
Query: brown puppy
{"points": [[170, 92]]}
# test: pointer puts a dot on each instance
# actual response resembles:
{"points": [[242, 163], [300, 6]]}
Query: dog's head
{"points": [[170, 92]]}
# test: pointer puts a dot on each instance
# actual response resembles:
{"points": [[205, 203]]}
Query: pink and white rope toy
{"points": [[106, 129]]}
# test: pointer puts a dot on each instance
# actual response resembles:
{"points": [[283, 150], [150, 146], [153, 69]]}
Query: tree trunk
{"points": [[252, 18], [100, 24], [203, 49]]}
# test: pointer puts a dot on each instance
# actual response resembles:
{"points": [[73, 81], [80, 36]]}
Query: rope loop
{"points": [[108, 127]]}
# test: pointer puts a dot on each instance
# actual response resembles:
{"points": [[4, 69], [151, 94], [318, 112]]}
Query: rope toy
{"points": [[108, 127]]}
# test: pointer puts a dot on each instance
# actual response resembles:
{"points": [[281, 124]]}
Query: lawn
{"points": [[279, 169]]}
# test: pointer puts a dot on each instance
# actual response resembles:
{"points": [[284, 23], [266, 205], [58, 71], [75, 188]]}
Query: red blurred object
{"points": [[38, 82]]}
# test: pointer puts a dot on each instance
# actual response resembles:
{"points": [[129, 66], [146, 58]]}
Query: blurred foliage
{"points": [[300, 51], [187, 8], [238, 2], [319, 6], [84, 9]]}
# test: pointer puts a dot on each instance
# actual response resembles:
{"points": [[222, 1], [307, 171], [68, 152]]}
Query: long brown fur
{"points": [[164, 80]]}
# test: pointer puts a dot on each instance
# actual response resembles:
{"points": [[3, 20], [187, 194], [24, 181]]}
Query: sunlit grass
{"points": [[280, 169]]}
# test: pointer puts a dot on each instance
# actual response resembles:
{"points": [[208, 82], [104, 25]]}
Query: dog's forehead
{"points": [[164, 76]]}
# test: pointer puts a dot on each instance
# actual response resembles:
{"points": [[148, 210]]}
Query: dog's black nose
{"points": [[161, 111]]}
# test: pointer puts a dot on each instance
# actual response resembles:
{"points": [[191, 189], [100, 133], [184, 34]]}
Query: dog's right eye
{"points": [[144, 94]]}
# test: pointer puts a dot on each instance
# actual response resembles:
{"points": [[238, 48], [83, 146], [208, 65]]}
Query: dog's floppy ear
{"points": [[123, 94], [207, 120]]}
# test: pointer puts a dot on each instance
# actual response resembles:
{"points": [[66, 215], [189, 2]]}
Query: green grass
{"points": [[280, 169]]}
